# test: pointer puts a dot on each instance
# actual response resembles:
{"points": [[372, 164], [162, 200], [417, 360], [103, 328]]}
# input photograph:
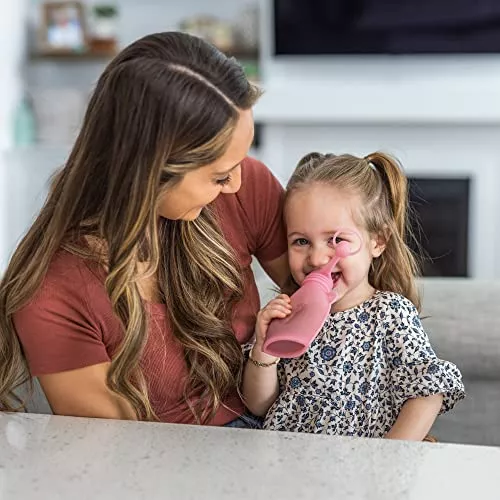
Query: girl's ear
{"points": [[378, 244]]}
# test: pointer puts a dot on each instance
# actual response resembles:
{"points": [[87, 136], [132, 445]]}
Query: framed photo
{"points": [[63, 27]]}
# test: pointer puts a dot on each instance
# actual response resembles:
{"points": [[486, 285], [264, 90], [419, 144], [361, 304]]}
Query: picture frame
{"points": [[63, 28]]}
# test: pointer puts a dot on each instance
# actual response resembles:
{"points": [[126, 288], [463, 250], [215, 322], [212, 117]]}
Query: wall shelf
{"points": [[72, 56], [242, 54]]}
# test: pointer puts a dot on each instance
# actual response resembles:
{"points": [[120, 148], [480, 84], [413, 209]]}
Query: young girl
{"points": [[371, 371]]}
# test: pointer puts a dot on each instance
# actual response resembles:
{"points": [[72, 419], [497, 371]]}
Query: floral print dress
{"points": [[359, 371]]}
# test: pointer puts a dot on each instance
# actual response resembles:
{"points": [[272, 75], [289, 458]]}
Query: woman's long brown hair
{"points": [[167, 104]]}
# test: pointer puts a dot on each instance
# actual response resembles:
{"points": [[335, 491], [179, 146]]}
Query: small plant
{"points": [[105, 11]]}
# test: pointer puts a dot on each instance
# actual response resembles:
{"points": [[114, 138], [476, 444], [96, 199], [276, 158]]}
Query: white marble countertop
{"points": [[52, 458]]}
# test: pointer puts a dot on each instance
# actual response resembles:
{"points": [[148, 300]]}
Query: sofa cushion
{"points": [[462, 319], [476, 419]]}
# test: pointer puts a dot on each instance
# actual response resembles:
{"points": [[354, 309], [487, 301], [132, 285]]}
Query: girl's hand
{"points": [[279, 307]]}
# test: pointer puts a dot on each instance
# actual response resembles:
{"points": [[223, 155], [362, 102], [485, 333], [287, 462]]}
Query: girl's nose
{"points": [[318, 258]]}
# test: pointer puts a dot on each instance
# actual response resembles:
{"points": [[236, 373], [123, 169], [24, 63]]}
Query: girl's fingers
{"points": [[281, 308], [273, 314], [277, 311], [280, 302], [283, 296]]}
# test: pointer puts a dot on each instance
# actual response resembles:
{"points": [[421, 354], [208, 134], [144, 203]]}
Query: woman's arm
{"points": [[83, 393], [62, 332], [416, 418], [277, 269]]}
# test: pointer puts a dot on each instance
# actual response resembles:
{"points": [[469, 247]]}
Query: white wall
{"points": [[376, 89], [149, 16], [12, 44], [382, 88]]}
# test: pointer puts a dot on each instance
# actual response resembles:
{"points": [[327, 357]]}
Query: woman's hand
{"points": [[279, 307]]}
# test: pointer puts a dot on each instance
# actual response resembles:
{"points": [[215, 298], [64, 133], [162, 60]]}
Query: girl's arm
{"points": [[260, 379], [260, 383], [416, 372], [416, 418]]}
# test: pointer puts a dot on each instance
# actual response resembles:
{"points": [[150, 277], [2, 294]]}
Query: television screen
{"points": [[313, 27]]}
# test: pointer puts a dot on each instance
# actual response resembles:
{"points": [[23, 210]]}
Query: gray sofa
{"points": [[461, 320], [463, 326]]}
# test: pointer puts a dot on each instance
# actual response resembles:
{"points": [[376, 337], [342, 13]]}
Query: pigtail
{"points": [[396, 269], [397, 188]]}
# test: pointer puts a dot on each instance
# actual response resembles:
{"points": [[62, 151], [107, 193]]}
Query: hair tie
{"points": [[371, 165]]}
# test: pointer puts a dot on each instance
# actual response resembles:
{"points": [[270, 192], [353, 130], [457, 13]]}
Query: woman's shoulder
{"points": [[253, 217], [253, 169], [257, 185], [257, 180], [70, 278], [72, 269], [68, 322]]}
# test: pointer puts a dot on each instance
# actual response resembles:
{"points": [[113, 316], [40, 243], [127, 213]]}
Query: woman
{"points": [[131, 293]]}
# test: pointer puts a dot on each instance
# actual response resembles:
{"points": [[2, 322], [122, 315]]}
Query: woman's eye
{"points": [[223, 182], [300, 242]]}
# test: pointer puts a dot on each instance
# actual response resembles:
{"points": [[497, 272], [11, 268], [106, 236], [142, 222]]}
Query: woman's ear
{"points": [[378, 244]]}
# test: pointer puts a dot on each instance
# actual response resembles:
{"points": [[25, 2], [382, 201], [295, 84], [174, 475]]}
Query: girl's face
{"points": [[313, 215], [199, 187]]}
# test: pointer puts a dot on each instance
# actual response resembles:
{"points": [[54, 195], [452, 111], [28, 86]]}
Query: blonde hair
{"points": [[380, 182], [166, 105]]}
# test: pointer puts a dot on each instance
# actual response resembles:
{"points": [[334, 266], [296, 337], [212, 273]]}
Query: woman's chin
{"points": [[192, 214], [186, 216]]}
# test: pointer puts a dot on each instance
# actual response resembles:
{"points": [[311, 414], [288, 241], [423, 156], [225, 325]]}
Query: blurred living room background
{"points": [[417, 79]]}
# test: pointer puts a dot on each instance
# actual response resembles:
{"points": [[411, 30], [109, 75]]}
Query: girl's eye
{"points": [[225, 181], [338, 239], [301, 242]]}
